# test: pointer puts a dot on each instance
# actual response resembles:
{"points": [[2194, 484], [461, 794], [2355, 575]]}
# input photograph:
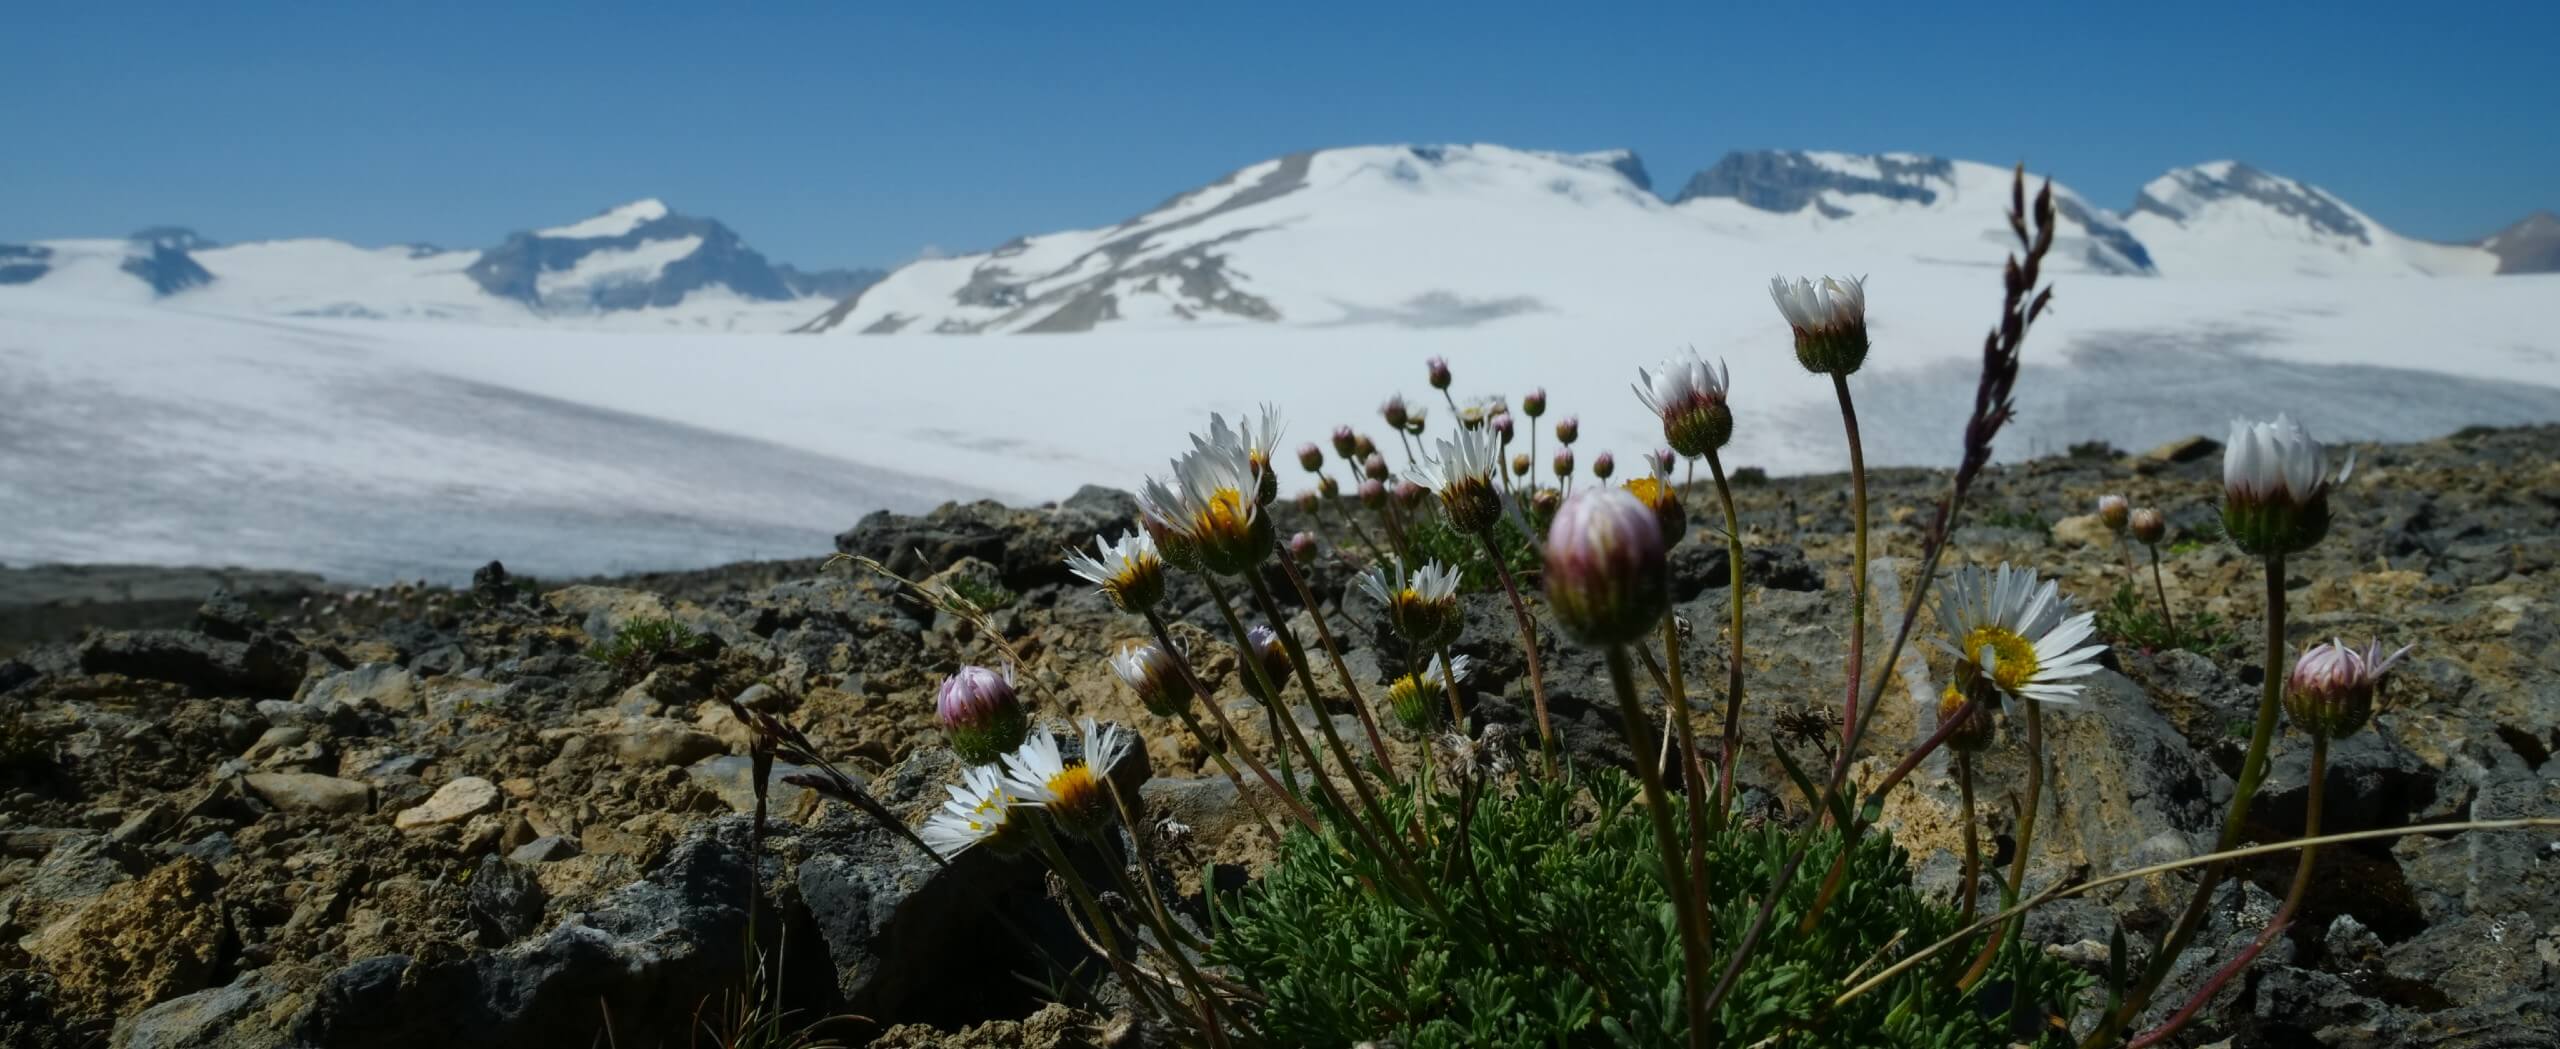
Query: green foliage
{"points": [[1430, 537], [23, 748], [2197, 538], [643, 643], [2022, 520], [1749, 477], [1557, 931], [2131, 618], [987, 597], [2092, 450]]}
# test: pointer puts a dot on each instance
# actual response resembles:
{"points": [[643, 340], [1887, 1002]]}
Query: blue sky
{"points": [[864, 133]]}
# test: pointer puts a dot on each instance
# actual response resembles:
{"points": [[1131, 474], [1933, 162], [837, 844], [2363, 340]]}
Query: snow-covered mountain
{"points": [[1438, 236], [2530, 246], [640, 265], [1939, 205], [2227, 219]]}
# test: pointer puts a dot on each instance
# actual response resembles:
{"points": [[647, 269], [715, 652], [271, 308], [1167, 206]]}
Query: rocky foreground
{"points": [[427, 816]]}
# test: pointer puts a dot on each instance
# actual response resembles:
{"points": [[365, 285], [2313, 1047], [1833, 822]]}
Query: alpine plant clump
{"points": [[1469, 885]]}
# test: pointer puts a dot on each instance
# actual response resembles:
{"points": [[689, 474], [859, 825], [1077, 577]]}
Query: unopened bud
{"points": [[2149, 527]]}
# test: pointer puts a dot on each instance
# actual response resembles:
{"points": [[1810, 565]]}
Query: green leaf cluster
{"points": [[1552, 928]]}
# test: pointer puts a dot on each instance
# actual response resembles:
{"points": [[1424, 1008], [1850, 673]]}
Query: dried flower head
{"points": [[1396, 412], [1967, 685], [1603, 464], [1302, 545], [1568, 429], [1564, 462], [1534, 404], [1310, 457], [1346, 443], [1439, 370]]}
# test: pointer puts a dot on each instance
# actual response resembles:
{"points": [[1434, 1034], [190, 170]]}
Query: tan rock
{"points": [[2083, 530], [310, 792], [459, 800], [141, 942]]}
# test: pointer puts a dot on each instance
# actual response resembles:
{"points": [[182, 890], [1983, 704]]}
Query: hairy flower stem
{"points": [[1217, 752], [1173, 935], [1858, 613], [1528, 647], [1227, 732], [1121, 964], [1692, 774], [2161, 590], [1341, 670], [2275, 925], [1276, 701], [1733, 678], [1675, 878], [1972, 881], [1306, 676], [1457, 705], [1401, 859], [2253, 774], [2017, 885]]}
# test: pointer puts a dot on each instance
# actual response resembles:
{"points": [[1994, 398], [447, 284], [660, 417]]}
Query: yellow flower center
{"points": [[1075, 789], [993, 803], [2013, 657], [1646, 489], [1223, 514]]}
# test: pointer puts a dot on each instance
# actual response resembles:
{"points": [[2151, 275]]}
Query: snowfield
{"points": [[376, 450]]}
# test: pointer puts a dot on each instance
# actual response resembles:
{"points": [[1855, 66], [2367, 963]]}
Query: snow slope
{"points": [[2227, 219], [1453, 236]]}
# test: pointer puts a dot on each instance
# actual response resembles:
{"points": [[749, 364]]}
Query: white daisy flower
{"points": [[2277, 460], [2275, 482], [977, 814], [1463, 473], [1213, 503], [1072, 792], [2017, 632], [1422, 604], [1829, 318], [1415, 698], [1689, 395], [1130, 571]]}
